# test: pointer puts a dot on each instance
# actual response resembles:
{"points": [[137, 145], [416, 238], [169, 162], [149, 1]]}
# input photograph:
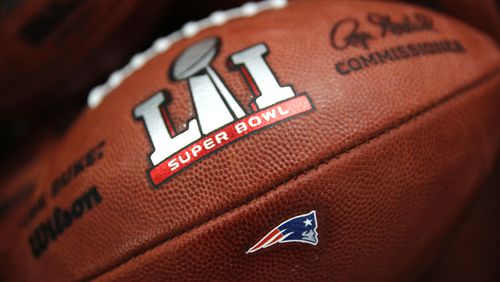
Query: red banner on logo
{"points": [[230, 133]]}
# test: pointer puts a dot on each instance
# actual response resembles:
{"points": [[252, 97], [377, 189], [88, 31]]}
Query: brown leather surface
{"points": [[389, 158], [385, 210]]}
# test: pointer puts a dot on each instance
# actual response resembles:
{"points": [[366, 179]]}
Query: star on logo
{"points": [[291, 230], [308, 222]]}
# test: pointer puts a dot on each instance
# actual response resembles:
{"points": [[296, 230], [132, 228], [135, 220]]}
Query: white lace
{"points": [[162, 44]]}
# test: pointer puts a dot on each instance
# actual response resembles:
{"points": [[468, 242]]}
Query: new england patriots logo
{"points": [[301, 228]]}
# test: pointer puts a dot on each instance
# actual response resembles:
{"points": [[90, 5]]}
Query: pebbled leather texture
{"points": [[389, 158]]}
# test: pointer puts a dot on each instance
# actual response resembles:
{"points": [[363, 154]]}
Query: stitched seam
{"points": [[335, 155]]}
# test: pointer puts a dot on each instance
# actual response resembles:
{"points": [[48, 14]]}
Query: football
{"points": [[53, 49], [310, 140]]}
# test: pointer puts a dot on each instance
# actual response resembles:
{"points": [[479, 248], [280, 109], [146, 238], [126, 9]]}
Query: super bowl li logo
{"points": [[220, 119]]}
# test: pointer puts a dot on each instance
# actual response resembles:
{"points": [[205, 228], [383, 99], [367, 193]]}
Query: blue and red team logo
{"points": [[301, 229]]}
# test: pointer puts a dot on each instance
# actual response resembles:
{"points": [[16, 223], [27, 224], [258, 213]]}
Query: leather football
{"points": [[53, 49], [314, 140]]}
